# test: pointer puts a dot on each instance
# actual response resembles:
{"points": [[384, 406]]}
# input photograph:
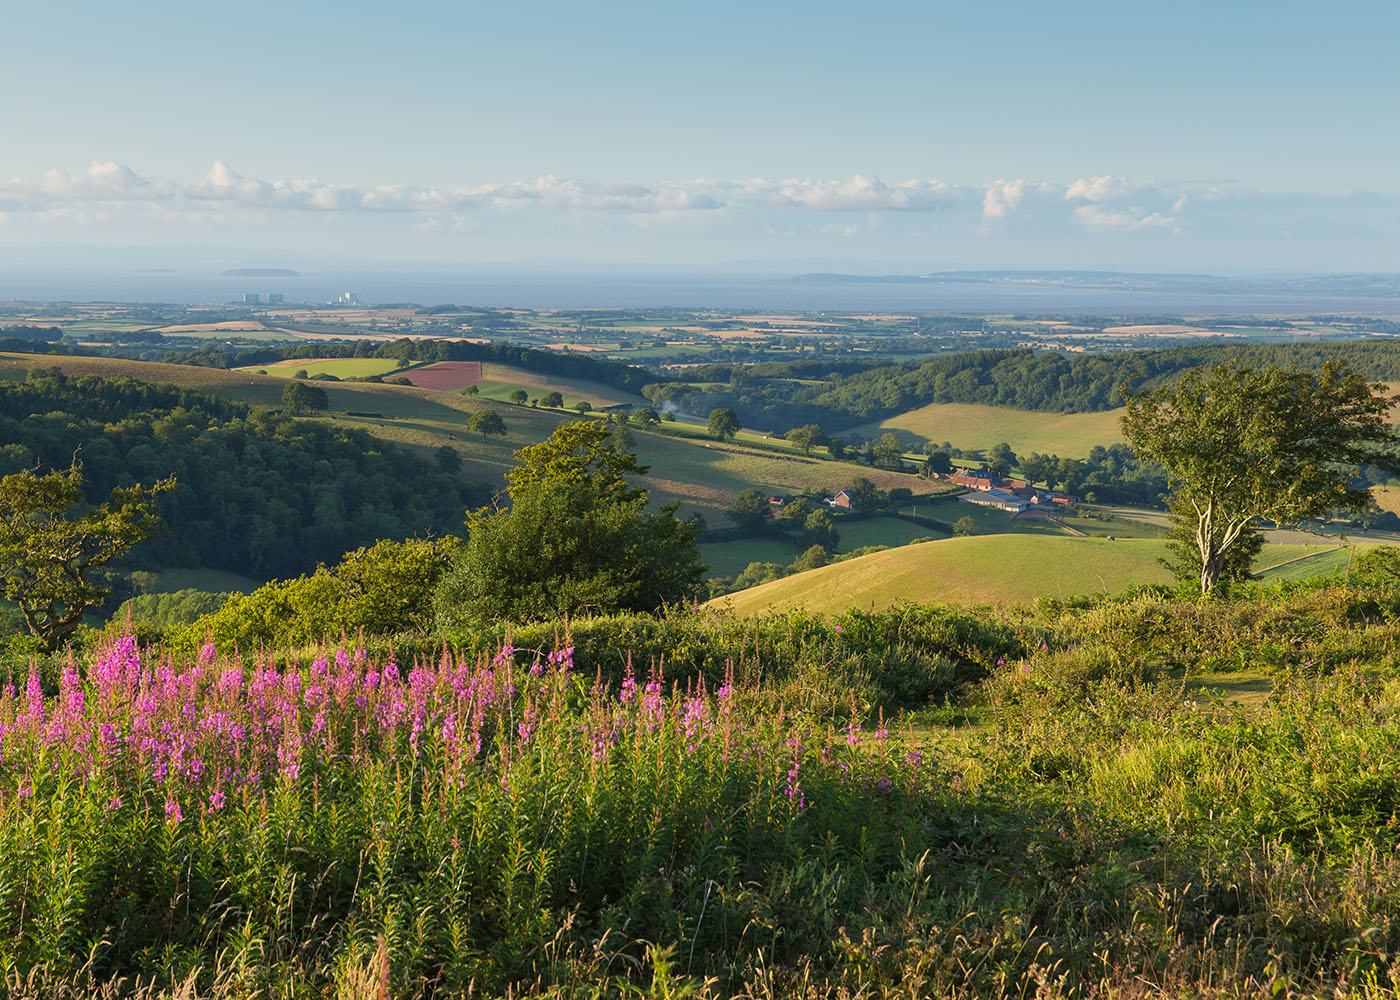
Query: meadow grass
{"points": [[978, 427], [890, 531], [1147, 796], [339, 367], [1003, 570], [1302, 562], [498, 381], [987, 569], [731, 558]]}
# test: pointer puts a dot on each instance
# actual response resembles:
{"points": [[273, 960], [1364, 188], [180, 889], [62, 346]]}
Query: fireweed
{"points": [[155, 813]]}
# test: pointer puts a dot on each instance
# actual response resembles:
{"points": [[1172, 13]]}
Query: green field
{"points": [[1283, 562], [974, 427], [999, 570], [731, 558], [499, 381], [890, 531], [707, 474], [989, 569], [339, 367]]}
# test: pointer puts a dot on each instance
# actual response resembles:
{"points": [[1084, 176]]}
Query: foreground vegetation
{"points": [[1106, 797]]}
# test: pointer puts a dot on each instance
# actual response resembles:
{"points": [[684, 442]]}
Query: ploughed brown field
{"points": [[445, 376]]}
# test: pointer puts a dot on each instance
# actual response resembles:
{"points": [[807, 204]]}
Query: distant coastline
{"points": [[260, 272]]}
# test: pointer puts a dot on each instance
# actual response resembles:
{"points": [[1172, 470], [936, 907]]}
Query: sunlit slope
{"points": [[699, 473], [973, 426], [987, 569], [1003, 570]]}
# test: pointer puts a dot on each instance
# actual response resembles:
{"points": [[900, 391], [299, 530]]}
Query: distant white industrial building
{"points": [[251, 298]]}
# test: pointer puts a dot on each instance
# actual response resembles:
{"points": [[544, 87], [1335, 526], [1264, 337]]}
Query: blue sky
{"points": [[1182, 136]]}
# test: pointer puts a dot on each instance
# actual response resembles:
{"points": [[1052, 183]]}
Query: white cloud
{"points": [[1102, 188], [1130, 219], [1092, 207], [1003, 198]]}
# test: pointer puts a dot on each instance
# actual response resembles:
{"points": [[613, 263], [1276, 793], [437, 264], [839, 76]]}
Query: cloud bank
{"points": [[1090, 210]]}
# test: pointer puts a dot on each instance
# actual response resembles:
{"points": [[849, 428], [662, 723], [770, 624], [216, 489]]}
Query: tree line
{"points": [[258, 493], [780, 396]]}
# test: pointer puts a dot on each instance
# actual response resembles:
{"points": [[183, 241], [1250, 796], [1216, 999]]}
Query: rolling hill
{"points": [[996, 569], [699, 473], [976, 427]]}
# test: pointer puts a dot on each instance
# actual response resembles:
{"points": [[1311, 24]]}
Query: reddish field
{"points": [[446, 375]]}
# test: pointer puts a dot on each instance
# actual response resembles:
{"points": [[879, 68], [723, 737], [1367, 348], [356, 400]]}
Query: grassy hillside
{"points": [[986, 569], [339, 367], [499, 381], [693, 471], [1002, 570], [970, 426]]}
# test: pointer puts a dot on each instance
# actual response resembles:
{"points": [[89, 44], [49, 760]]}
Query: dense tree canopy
{"points": [[257, 493], [299, 397], [805, 437]]}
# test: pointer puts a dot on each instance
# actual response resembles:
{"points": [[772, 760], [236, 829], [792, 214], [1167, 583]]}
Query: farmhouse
{"points": [[843, 499], [984, 481], [973, 479]]}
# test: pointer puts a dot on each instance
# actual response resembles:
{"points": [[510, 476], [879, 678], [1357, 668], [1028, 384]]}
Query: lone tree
{"points": [[937, 464], [1001, 459], [486, 422], [553, 400], [299, 397], [750, 511], [805, 437], [1183, 559], [724, 423], [819, 528], [578, 538], [49, 556], [888, 452], [519, 397], [1245, 442]]}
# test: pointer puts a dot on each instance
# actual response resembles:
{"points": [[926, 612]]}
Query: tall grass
{"points": [[511, 821], [162, 818]]}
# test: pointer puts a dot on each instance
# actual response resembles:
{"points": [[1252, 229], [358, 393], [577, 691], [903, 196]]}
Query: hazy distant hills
{"points": [[260, 272], [1383, 285]]}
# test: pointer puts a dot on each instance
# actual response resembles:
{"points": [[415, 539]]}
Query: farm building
{"points": [[998, 499], [973, 479]]}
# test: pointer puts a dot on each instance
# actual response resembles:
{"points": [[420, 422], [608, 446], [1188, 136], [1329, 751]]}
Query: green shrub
{"points": [[384, 591]]}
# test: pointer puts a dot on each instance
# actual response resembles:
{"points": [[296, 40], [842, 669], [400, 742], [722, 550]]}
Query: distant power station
{"points": [[273, 298]]}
